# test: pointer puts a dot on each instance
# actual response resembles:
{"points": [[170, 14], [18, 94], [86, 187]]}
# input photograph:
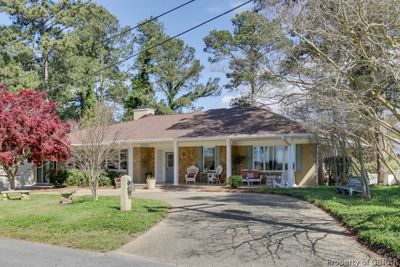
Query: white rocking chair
{"points": [[191, 174], [214, 176]]}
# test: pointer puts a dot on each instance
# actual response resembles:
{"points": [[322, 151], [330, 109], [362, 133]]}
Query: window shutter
{"points": [[249, 157], [299, 158], [217, 156], [199, 157]]}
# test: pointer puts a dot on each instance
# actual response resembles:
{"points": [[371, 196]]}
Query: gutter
{"points": [[214, 138]]}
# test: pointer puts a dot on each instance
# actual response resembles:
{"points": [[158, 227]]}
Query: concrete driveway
{"points": [[15, 253], [238, 229]]}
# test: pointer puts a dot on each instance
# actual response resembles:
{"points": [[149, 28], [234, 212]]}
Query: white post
{"points": [[228, 158], [125, 201], [176, 163], [290, 165], [157, 174], [130, 161]]}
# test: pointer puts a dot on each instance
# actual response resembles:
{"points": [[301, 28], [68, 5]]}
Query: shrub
{"points": [[57, 177], [235, 181], [337, 168], [111, 175], [104, 180], [76, 177]]}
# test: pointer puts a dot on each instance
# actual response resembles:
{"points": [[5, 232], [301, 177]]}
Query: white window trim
{"points": [[263, 158], [215, 159], [119, 162]]}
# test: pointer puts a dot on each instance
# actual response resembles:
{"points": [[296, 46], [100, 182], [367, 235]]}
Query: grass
{"points": [[85, 224], [376, 221]]}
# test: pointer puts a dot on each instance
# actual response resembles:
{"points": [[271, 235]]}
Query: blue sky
{"points": [[130, 12]]}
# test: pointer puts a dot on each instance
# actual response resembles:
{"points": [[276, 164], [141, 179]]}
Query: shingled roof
{"points": [[210, 123]]}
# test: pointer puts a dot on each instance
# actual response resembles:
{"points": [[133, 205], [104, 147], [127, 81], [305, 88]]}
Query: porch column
{"points": [[176, 163], [130, 161], [290, 161], [228, 158]]}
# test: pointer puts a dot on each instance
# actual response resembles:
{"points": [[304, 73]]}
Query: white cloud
{"points": [[225, 101]]}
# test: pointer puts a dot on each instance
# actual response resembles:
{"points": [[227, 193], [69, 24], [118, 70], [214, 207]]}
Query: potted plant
{"points": [[237, 162], [150, 180], [235, 181]]}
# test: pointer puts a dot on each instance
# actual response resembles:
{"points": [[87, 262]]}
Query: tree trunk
{"points": [[45, 70], [11, 174], [11, 180], [380, 165], [364, 175], [93, 188]]}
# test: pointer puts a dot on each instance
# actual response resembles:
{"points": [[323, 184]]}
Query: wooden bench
{"points": [[66, 196], [23, 194], [354, 185]]}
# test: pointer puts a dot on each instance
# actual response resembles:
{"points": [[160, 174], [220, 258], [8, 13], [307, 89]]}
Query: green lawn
{"points": [[86, 224], [376, 220]]}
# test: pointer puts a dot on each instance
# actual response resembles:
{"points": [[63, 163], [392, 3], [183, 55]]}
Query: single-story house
{"points": [[235, 138]]}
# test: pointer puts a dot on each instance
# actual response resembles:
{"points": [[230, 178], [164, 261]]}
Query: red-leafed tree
{"points": [[29, 128]]}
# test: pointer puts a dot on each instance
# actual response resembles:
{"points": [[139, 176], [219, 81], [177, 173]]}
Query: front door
{"points": [[169, 167]]}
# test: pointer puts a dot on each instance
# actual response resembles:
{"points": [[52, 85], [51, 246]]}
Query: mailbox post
{"points": [[126, 204]]}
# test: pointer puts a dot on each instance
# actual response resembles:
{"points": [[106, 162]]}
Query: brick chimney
{"points": [[141, 112]]}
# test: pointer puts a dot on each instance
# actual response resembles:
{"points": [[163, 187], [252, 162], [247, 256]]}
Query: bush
{"points": [[75, 177], [104, 180], [338, 169], [57, 177], [107, 178], [235, 181]]}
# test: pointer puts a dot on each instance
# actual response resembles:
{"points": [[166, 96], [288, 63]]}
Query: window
{"points": [[117, 160], [258, 158], [271, 158], [170, 160], [45, 171], [209, 158]]}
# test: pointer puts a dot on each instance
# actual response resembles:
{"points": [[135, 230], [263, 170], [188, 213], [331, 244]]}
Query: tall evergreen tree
{"points": [[249, 50], [168, 75], [142, 91], [56, 42]]}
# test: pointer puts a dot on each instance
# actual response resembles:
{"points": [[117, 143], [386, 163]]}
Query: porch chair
{"points": [[281, 181], [191, 174], [214, 176]]}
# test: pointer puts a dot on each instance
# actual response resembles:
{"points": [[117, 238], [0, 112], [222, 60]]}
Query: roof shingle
{"points": [[211, 123]]}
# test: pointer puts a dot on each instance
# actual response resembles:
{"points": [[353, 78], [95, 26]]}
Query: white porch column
{"points": [[176, 163], [290, 162], [228, 158], [130, 161]]}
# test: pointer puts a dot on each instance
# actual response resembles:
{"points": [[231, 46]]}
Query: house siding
{"points": [[187, 157], [222, 161], [143, 161], [236, 166], [307, 175], [25, 176]]}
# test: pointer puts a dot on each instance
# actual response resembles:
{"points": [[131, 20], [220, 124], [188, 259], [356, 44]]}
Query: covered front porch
{"points": [[168, 161]]}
